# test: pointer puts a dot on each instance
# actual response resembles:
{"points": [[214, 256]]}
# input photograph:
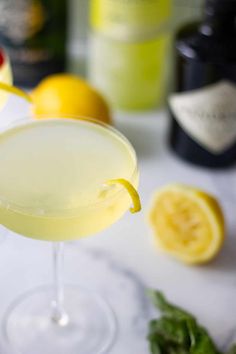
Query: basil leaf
{"points": [[166, 308]]}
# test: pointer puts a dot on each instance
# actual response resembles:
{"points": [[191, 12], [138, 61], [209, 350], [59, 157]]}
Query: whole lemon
{"points": [[68, 95]]}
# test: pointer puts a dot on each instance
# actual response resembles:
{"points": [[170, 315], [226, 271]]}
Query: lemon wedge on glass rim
{"points": [[187, 223]]}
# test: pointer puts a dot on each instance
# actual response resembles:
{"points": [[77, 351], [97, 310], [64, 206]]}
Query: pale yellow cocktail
{"points": [[63, 179], [53, 174]]}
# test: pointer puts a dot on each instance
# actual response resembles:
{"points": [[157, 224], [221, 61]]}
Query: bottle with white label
{"points": [[203, 108]]}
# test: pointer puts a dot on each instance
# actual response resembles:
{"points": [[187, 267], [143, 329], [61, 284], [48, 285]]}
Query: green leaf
{"points": [[203, 343], [177, 331], [160, 302], [156, 343], [154, 347], [178, 351], [173, 331], [192, 331]]}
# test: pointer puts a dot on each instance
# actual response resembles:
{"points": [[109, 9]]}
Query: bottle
{"points": [[187, 11], [77, 61], [33, 33], [129, 42], [203, 108]]}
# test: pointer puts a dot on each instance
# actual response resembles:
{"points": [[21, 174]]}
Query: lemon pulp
{"points": [[188, 223]]}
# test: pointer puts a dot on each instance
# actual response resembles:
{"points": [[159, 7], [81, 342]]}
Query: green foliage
{"points": [[177, 331]]}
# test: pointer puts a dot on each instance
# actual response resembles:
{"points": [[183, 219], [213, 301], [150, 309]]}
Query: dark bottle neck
{"points": [[219, 18]]}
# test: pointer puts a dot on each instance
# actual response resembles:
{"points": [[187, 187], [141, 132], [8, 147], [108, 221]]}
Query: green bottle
{"points": [[128, 52], [33, 33]]}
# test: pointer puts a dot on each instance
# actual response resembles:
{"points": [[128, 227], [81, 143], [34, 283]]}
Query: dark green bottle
{"points": [[33, 33], [203, 125]]}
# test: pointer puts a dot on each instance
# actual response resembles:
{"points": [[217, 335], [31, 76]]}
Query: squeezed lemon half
{"points": [[187, 223]]}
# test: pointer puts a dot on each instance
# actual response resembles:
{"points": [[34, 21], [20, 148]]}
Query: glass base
{"points": [[29, 327]]}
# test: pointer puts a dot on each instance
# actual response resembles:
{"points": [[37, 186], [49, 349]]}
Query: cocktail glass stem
{"points": [[59, 314]]}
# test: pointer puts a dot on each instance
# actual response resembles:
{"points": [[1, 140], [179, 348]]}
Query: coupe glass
{"points": [[43, 154]]}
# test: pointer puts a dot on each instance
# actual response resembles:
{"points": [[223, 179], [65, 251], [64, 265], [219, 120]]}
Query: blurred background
{"points": [[181, 12], [124, 50], [138, 56], [119, 60]]}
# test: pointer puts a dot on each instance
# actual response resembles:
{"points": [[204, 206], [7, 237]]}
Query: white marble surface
{"points": [[122, 261]]}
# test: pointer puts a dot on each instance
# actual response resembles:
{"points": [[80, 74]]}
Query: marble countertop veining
{"points": [[121, 261]]}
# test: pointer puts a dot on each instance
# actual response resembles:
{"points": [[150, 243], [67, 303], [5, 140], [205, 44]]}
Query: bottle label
{"points": [[22, 19], [208, 115], [130, 19]]}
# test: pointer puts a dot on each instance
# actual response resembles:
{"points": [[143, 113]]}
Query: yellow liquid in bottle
{"points": [[129, 51], [53, 174]]}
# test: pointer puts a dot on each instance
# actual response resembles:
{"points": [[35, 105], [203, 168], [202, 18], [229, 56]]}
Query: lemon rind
{"points": [[214, 215]]}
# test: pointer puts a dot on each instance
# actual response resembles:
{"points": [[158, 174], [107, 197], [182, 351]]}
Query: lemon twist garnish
{"points": [[16, 91], [131, 190]]}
